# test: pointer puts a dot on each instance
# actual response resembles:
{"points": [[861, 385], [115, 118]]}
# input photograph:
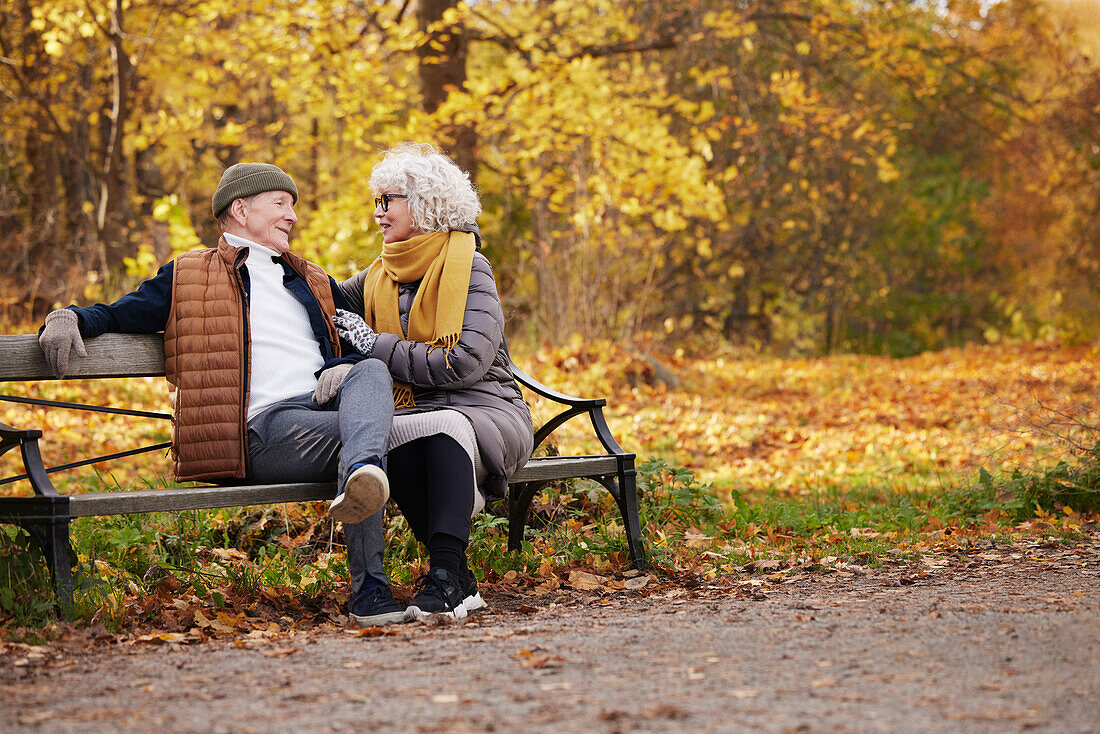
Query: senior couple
{"points": [[396, 382]]}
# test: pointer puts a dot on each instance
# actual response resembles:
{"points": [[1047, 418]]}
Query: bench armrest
{"points": [[35, 470], [574, 407], [548, 392]]}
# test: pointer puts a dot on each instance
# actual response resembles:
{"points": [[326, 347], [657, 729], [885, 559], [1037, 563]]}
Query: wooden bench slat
{"points": [[195, 498], [565, 467], [201, 498], [109, 355]]}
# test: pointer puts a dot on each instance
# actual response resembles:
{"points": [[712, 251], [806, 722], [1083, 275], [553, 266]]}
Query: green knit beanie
{"points": [[242, 180]]}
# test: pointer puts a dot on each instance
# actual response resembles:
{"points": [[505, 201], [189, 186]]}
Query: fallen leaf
{"points": [[370, 632], [202, 621], [32, 719], [584, 581], [439, 620], [280, 652], [162, 637], [229, 554], [529, 659], [693, 537]]}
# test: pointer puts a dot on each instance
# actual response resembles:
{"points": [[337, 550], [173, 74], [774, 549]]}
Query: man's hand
{"points": [[328, 384], [355, 331], [61, 335]]}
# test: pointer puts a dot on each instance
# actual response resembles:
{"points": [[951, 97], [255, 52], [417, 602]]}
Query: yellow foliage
{"points": [[627, 150]]}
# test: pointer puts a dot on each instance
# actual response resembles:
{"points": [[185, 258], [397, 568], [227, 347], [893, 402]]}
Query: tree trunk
{"points": [[112, 200], [442, 71], [311, 193], [40, 258], [150, 185]]}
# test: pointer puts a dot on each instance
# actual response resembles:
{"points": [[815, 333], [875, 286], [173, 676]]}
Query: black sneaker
{"points": [[471, 598], [438, 592], [373, 605]]}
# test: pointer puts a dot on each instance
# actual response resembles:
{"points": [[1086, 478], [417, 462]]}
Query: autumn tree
{"points": [[817, 175], [72, 74], [1042, 211]]}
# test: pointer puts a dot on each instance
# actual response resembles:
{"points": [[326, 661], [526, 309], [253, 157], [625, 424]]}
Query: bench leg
{"points": [[627, 500], [53, 538], [623, 488], [519, 502], [45, 516], [625, 492], [47, 520]]}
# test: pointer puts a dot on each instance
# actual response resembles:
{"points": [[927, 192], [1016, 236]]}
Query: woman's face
{"points": [[396, 223]]}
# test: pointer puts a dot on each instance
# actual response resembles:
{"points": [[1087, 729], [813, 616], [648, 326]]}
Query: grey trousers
{"points": [[297, 440]]}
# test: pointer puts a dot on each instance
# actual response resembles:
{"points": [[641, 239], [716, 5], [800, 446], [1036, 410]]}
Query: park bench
{"points": [[47, 514]]}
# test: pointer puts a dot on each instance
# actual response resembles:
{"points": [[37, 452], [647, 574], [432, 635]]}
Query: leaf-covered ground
{"points": [[812, 424]]}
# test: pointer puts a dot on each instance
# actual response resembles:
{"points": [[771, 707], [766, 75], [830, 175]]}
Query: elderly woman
{"points": [[430, 311]]}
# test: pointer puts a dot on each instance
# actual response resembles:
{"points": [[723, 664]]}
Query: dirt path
{"points": [[985, 642]]}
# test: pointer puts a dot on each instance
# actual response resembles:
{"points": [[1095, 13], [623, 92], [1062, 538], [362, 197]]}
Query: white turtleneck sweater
{"points": [[285, 353]]}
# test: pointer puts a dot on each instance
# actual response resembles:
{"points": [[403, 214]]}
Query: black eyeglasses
{"points": [[384, 200]]}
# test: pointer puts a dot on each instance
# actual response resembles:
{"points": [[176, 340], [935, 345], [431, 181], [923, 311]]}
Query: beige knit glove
{"points": [[328, 384], [61, 335]]}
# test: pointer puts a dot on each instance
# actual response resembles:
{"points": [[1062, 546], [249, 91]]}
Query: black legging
{"points": [[432, 481]]}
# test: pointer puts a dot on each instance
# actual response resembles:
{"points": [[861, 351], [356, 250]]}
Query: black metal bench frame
{"points": [[48, 514]]}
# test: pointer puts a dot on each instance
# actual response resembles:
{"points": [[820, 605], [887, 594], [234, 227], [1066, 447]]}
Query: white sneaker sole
{"points": [[377, 620], [413, 613], [366, 492], [473, 603]]}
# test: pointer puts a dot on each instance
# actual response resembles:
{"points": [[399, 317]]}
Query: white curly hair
{"points": [[441, 196]]}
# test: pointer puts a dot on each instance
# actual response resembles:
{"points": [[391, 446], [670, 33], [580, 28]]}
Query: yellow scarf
{"points": [[442, 261]]}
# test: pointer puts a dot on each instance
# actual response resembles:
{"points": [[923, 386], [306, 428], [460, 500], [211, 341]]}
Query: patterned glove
{"points": [[61, 335], [355, 331], [328, 384]]}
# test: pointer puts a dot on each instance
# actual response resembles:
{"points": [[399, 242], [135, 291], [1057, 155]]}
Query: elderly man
{"points": [[263, 388]]}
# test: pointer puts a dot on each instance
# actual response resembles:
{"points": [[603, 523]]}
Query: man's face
{"points": [[267, 219], [396, 222]]}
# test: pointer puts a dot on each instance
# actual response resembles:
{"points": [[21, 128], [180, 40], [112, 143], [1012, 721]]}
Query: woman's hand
{"points": [[355, 331]]}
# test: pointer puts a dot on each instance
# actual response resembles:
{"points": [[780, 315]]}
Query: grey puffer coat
{"points": [[478, 381]]}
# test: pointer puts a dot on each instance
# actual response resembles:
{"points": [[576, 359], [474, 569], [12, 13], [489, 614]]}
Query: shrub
{"points": [[1074, 485]]}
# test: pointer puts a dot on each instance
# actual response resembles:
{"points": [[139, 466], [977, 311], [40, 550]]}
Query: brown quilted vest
{"points": [[207, 360]]}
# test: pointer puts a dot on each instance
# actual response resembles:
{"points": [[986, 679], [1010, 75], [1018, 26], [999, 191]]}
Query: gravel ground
{"points": [[1000, 641]]}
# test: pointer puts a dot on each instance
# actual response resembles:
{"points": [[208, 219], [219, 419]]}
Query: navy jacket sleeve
{"points": [[144, 311]]}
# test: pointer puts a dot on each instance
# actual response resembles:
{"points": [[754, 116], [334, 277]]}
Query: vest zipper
{"points": [[246, 353]]}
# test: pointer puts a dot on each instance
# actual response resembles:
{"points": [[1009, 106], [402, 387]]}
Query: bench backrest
{"points": [[109, 355], [142, 355]]}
